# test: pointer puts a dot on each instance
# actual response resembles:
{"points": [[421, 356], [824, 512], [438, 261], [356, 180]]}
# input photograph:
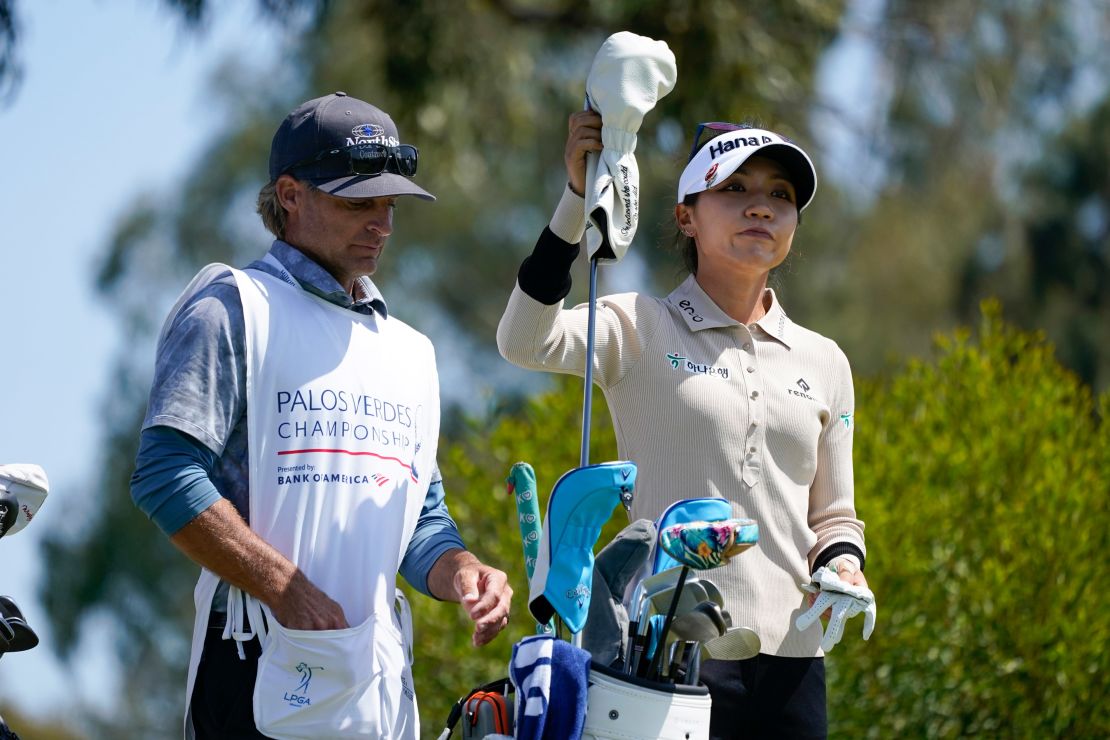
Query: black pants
{"points": [[766, 697], [222, 704]]}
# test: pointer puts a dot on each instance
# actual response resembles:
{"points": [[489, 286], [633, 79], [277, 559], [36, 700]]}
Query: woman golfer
{"points": [[714, 391]]}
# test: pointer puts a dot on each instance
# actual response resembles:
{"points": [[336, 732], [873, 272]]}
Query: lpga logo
{"points": [[299, 697]]}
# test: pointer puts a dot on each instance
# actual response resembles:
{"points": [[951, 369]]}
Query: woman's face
{"points": [[746, 223]]}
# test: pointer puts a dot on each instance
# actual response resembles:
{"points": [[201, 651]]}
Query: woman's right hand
{"points": [[583, 135]]}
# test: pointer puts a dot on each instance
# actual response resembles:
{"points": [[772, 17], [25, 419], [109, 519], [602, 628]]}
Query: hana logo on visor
{"points": [[846, 417], [711, 174], [299, 696], [368, 131]]}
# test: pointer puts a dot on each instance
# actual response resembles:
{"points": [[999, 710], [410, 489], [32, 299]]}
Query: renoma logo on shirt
{"points": [[341, 422], [679, 362], [802, 393]]}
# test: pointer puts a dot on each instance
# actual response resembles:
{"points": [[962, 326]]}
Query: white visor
{"points": [[28, 486], [723, 155]]}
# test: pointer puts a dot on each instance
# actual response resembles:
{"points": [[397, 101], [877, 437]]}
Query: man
{"points": [[289, 449]]}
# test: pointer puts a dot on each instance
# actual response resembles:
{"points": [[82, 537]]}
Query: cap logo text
{"points": [[739, 141]]}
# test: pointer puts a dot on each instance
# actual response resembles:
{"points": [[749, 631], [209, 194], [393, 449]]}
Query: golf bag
{"points": [[619, 706], [624, 707]]}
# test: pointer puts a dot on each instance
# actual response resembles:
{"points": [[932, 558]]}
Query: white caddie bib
{"points": [[343, 422]]}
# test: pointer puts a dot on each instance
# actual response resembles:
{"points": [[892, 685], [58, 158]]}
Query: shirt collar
{"points": [[775, 322], [700, 312], [318, 281]]}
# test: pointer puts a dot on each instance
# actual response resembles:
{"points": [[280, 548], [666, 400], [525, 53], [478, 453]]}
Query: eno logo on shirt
{"points": [[687, 307]]}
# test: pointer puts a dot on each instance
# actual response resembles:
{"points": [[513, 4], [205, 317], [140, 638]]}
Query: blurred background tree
{"points": [[962, 149]]}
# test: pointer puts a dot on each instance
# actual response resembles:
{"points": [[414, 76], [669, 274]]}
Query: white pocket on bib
{"points": [[353, 682]]}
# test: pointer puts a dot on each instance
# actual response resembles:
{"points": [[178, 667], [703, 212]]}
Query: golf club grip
{"points": [[521, 483], [656, 660]]}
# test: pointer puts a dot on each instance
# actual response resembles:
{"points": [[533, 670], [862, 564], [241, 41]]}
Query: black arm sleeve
{"points": [[545, 274]]}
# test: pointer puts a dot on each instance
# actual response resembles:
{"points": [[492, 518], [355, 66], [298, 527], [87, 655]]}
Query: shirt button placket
{"points": [[754, 436]]}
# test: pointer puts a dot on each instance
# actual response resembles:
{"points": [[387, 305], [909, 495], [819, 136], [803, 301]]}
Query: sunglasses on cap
{"points": [[368, 159], [717, 127]]}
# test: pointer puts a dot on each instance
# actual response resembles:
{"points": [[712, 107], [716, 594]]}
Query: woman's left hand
{"points": [[846, 571]]}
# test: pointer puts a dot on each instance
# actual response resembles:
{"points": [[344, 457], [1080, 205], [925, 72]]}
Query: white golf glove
{"points": [[845, 600]]}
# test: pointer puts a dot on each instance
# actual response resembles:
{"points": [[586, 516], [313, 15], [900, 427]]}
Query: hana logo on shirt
{"points": [[679, 362], [299, 696]]}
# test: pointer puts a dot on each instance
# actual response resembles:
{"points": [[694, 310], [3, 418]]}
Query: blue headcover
{"points": [[688, 510], [580, 504]]}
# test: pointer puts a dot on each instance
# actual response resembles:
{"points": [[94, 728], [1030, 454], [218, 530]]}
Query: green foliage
{"points": [[982, 476]]}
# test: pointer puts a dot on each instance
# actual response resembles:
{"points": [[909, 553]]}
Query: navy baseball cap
{"points": [[326, 141]]}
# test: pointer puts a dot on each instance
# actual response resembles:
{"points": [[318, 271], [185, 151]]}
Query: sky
{"points": [[112, 106]]}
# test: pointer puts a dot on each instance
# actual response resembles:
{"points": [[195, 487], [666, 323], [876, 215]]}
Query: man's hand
{"points": [[302, 606], [483, 591]]}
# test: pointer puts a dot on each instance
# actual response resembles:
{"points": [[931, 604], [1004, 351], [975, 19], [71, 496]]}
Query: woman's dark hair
{"points": [[686, 245]]}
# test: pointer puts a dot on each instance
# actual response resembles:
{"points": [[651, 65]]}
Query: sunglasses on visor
{"points": [[369, 159], [717, 127]]}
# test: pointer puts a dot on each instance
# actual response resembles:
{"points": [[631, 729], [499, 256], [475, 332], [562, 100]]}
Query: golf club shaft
{"points": [[656, 660], [588, 393]]}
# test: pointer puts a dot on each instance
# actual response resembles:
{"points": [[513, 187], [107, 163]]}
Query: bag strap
{"points": [[496, 701], [502, 685]]}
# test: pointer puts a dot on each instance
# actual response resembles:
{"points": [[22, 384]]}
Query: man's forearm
{"points": [[222, 542], [441, 578]]}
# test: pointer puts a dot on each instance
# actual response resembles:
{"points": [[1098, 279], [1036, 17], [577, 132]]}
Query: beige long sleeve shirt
{"points": [[760, 414]]}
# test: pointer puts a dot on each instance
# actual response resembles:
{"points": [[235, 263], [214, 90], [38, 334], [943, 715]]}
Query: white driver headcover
{"points": [[27, 483], [844, 599], [629, 75]]}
